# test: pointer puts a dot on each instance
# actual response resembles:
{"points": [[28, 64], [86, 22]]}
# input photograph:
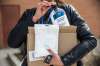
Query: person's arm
{"points": [[19, 33], [86, 38]]}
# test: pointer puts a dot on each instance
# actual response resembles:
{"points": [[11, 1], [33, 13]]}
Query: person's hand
{"points": [[56, 61], [42, 8]]}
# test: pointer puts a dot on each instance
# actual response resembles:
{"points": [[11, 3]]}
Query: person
{"points": [[18, 35]]}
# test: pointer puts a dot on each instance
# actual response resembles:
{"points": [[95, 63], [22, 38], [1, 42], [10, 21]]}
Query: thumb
{"points": [[51, 52], [55, 55]]}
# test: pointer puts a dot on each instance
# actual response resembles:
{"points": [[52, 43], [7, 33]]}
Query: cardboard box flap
{"points": [[63, 29], [30, 29], [68, 29], [30, 41]]}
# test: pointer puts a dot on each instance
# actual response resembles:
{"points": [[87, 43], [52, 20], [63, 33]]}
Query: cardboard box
{"points": [[67, 40]]}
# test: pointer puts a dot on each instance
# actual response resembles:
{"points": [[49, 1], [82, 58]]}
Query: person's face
{"points": [[61, 1], [48, 0]]}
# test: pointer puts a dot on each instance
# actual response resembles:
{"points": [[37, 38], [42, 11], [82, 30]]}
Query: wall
{"points": [[10, 15], [89, 9], [24, 4], [1, 42]]}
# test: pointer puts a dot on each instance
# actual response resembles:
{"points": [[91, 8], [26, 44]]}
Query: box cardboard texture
{"points": [[67, 40]]}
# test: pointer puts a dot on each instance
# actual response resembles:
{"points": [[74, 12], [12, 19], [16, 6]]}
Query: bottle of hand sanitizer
{"points": [[59, 17]]}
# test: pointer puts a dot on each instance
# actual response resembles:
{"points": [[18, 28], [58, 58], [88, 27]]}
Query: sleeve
{"points": [[19, 33], [86, 38]]}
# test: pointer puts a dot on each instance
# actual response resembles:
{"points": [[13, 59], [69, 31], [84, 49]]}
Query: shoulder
{"points": [[30, 11], [69, 7]]}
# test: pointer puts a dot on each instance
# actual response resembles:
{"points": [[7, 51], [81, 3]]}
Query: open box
{"points": [[67, 40]]}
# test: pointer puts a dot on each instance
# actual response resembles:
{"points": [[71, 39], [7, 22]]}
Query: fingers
{"points": [[51, 52], [42, 8], [53, 3], [54, 54], [46, 4], [56, 61]]}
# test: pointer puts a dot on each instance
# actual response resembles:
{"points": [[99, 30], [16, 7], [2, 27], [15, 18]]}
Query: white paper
{"points": [[46, 37]]}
